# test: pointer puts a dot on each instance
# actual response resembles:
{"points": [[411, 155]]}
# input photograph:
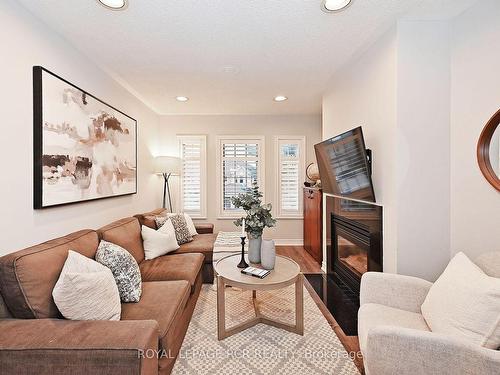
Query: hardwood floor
{"points": [[301, 256], [309, 265]]}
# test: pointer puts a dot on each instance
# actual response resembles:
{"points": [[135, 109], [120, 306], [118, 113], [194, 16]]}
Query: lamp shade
{"points": [[168, 164]]}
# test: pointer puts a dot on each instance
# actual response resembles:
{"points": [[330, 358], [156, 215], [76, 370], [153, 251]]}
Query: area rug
{"points": [[262, 349]]}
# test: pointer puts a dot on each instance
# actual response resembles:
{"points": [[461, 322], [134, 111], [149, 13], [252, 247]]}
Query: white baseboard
{"points": [[289, 242]]}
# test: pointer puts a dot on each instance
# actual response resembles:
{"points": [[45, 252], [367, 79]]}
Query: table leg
{"points": [[299, 305], [221, 309]]}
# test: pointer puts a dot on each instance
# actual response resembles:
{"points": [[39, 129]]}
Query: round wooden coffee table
{"points": [[286, 272]]}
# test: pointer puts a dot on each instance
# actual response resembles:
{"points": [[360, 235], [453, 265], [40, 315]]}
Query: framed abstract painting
{"points": [[84, 149]]}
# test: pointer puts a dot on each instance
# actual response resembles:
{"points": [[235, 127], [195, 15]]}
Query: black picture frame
{"points": [[38, 122]]}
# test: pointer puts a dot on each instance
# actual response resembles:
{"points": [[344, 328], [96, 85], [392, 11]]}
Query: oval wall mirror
{"points": [[488, 151]]}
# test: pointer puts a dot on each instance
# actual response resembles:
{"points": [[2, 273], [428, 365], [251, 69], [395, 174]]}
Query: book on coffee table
{"points": [[256, 272]]}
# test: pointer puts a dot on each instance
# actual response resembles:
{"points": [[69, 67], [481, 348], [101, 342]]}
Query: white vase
{"points": [[254, 244], [268, 254]]}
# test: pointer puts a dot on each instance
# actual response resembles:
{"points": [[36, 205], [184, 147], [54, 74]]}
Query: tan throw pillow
{"points": [[180, 225], [158, 242], [465, 302], [86, 290]]}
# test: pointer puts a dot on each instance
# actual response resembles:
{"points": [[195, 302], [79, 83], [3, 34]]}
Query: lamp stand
{"points": [[166, 189]]}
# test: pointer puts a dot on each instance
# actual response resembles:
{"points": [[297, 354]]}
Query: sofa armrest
{"points": [[204, 228], [393, 350], [398, 291], [56, 346]]}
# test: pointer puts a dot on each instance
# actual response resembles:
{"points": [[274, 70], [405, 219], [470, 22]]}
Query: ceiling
{"points": [[228, 56]]}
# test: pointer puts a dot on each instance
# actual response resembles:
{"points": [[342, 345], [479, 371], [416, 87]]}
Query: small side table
{"points": [[286, 272]]}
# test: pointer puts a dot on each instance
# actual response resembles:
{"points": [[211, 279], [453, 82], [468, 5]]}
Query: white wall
{"points": [[423, 147], [364, 93], [26, 42], [475, 97], [288, 231]]}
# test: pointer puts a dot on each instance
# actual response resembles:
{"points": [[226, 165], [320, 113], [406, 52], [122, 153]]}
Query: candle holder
{"points": [[242, 263]]}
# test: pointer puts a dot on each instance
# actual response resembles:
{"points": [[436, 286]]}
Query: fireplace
{"points": [[353, 247], [354, 240]]}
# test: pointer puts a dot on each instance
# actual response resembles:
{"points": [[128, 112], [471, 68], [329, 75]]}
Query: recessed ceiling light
{"points": [[280, 98], [181, 98], [114, 4], [335, 5]]}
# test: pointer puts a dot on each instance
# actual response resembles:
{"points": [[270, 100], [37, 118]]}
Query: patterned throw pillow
{"points": [[180, 225], [124, 268]]}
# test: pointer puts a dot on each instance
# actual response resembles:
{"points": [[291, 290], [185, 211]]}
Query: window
{"points": [[240, 163], [290, 154], [192, 150]]}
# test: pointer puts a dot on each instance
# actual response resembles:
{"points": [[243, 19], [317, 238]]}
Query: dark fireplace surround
{"points": [[353, 240]]}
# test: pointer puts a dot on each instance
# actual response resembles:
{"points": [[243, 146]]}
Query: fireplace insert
{"points": [[354, 241]]}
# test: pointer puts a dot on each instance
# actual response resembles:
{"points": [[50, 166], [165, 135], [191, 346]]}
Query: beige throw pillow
{"points": [[465, 302], [159, 242], [86, 290]]}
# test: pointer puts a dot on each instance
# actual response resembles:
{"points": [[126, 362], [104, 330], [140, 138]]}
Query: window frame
{"points": [[301, 141], [261, 169], [181, 139]]}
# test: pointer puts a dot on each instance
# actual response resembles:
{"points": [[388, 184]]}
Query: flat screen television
{"points": [[344, 166]]}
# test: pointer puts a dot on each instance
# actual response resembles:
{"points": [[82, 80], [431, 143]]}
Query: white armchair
{"points": [[395, 339]]}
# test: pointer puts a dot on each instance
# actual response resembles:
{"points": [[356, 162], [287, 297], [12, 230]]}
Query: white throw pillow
{"points": [[465, 302], [189, 222], [86, 290], [159, 242]]}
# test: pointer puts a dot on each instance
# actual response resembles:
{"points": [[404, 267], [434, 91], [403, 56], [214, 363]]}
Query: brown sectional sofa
{"points": [[35, 338]]}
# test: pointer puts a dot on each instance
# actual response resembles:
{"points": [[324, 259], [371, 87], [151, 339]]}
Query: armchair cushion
{"points": [[372, 315], [398, 291], [406, 351], [465, 302]]}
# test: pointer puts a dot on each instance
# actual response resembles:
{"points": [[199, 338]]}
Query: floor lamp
{"points": [[167, 166]]}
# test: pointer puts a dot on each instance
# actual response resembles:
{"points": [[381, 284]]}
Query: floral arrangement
{"points": [[258, 215]]}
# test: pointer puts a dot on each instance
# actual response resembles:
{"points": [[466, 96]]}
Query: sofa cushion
{"points": [[28, 276], [464, 302], [148, 218], [86, 290], [4, 311], [124, 268], [125, 233], [162, 301], [371, 315], [202, 243], [173, 267]]}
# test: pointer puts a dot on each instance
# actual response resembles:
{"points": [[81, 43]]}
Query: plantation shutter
{"points": [[290, 176], [240, 163], [240, 166], [192, 152]]}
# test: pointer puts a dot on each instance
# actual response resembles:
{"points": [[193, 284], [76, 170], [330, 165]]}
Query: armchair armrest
{"points": [[393, 350], [50, 346], [204, 228], [398, 291]]}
